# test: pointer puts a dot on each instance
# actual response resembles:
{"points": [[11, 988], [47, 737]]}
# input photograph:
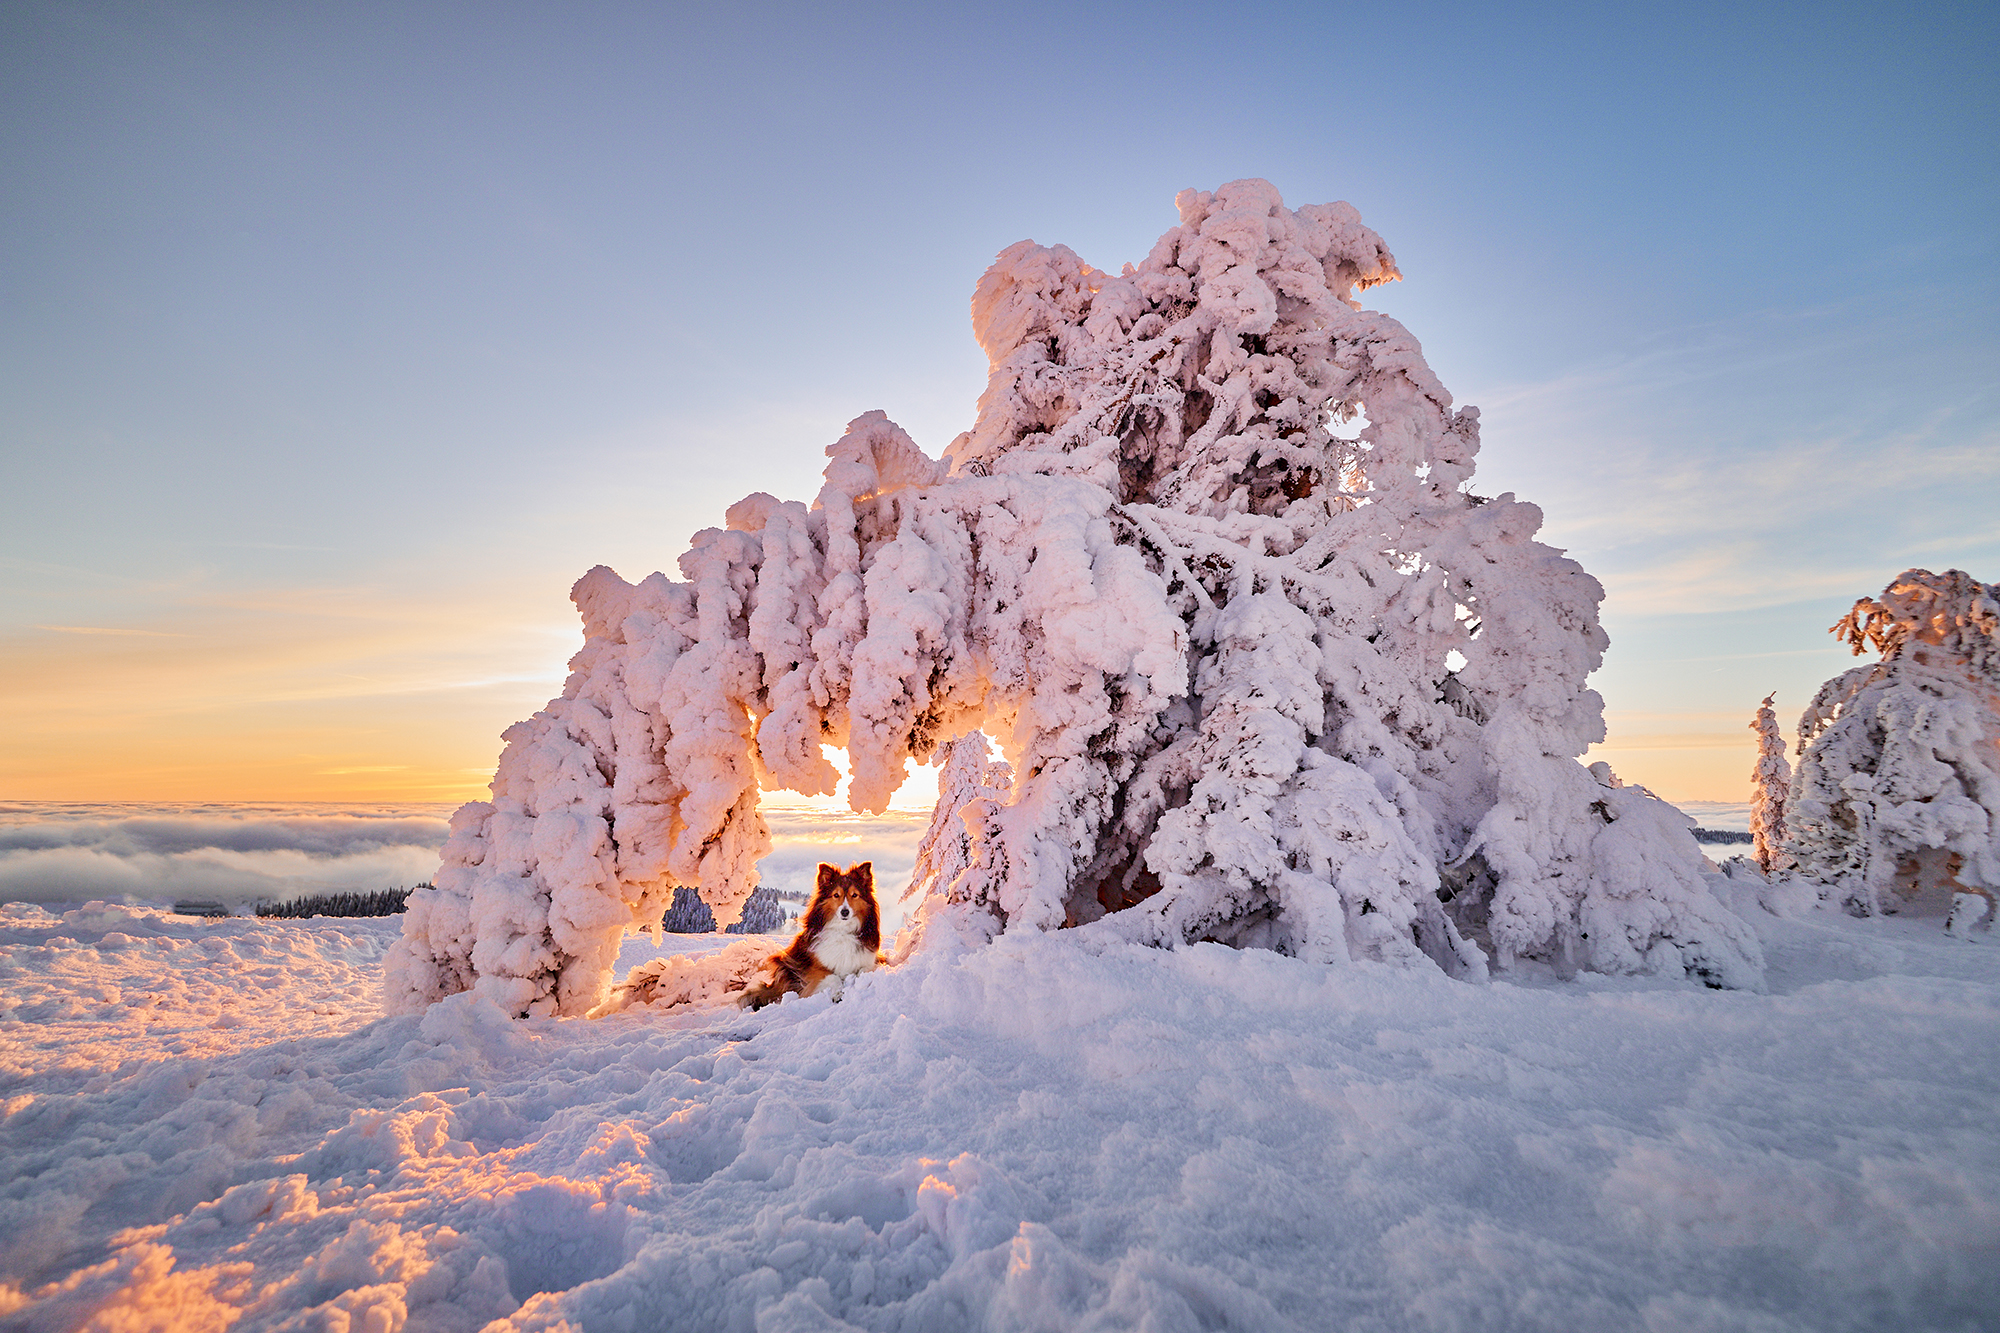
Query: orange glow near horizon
{"points": [[348, 703], [339, 697], [1691, 766], [296, 695]]}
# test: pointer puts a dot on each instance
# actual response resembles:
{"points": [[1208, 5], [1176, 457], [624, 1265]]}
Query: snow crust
{"points": [[210, 1125], [1261, 667]]}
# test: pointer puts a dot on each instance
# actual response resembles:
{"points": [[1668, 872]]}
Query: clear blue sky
{"points": [[337, 340]]}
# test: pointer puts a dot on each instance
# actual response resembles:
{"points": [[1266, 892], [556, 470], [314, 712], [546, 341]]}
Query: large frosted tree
{"points": [[1207, 568], [1899, 769]]}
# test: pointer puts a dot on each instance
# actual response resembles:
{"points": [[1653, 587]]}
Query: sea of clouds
{"points": [[240, 855], [1733, 815]]}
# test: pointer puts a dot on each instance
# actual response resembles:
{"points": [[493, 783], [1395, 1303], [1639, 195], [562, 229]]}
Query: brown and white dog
{"points": [[841, 935]]}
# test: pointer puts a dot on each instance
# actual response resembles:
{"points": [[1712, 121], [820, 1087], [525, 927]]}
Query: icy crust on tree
{"points": [[1261, 670], [1900, 760]]}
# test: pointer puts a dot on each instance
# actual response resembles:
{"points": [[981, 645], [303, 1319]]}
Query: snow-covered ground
{"points": [[207, 1125]]}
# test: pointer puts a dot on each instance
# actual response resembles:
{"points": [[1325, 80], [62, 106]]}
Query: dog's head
{"points": [[846, 896]]}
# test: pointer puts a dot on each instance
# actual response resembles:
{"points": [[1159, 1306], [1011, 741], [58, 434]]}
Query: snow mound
{"points": [[1207, 567]]}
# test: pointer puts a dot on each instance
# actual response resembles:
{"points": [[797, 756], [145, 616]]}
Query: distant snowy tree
{"points": [[1771, 784], [1899, 775], [688, 915], [1206, 568], [762, 913]]}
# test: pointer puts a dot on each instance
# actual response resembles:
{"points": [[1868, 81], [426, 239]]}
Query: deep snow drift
{"points": [[1208, 568], [207, 1125]]}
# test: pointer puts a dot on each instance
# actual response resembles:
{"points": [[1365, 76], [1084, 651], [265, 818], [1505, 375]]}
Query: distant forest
{"points": [[689, 915], [382, 902]]}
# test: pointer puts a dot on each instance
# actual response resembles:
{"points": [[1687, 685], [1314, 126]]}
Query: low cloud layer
{"points": [[75, 874], [242, 855], [803, 839], [169, 834], [236, 855]]}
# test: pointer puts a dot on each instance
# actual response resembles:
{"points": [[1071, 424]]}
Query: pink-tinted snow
{"points": [[209, 1125]]}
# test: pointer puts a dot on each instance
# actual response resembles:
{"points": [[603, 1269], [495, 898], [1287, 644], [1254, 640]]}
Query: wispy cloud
{"points": [[328, 692], [1729, 465], [123, 631], [1680, 740]]}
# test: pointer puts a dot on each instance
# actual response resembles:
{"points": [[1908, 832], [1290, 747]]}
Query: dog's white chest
{"points": [[841, 953]]}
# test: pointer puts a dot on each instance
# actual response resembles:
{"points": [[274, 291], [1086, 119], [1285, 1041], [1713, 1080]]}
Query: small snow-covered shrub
{"points": [[1771, 787], [1899, 769], [1206, 566]]}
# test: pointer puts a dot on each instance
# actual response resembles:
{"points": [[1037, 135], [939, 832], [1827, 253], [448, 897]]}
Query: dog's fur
{"points": [[840, 936]]}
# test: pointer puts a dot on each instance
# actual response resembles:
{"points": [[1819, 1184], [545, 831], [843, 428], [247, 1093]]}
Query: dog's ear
{"points": [[828, 877], [863, 876]]}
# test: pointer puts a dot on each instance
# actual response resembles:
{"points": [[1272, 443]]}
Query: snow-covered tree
{"points": [[1771, 787], [1207, 568], [1899, 774], [973, 788], [688, 914], [762, 913]]}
